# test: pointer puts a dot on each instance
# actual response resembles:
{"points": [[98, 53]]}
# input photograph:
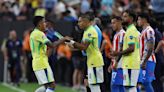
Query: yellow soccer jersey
{"points": [[94, 56], [38, 50], [132, 60]]}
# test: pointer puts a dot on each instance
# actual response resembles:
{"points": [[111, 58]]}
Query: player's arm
{"points": [[87, 39], [56, 43], [150, 46], [119, 56], [81, 46], [103, 45], [130, 49]]}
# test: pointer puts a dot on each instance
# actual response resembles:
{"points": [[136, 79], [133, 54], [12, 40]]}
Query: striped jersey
{"points": [[118, 42], [146, 35]]}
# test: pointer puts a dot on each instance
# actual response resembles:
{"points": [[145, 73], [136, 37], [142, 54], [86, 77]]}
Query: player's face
{"points": [[126, 17], [42, 24], [140, 21], [82, 23], [48, 25], [115, 24]]}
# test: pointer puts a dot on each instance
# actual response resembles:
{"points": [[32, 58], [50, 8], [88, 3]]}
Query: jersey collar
{"points": [[88, 27], [130, 25]]}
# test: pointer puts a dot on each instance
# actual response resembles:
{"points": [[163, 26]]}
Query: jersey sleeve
{"points": [[150, 35], [131, 38], [89, 36], [41, 37], [121, 36]]}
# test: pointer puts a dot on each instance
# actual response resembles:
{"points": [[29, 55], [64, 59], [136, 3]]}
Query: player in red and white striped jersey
{"points": [[117, 73], [118, 42], [146, 35], [148, 60]]}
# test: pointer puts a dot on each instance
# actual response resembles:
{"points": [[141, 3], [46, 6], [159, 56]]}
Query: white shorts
{"points": [[95, 75], [130, 77], [44, 76]]}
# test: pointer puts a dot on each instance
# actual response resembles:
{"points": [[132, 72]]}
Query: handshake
{"points": [[69, 41]]}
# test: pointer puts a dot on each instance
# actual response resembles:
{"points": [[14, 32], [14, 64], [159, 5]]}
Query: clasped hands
{"points": [[69, 41]]}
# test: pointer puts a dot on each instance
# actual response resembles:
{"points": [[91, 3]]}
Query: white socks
{"points": [[49, 90], [40, 89], [95, 88], [43, 89]]}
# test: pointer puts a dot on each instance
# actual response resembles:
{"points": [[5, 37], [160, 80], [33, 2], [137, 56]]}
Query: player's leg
{"points": [[41, 80], [132, 89], [148, 87], [51, 87], [114, 87], [117, 88], [117, 81], [51, 82], [41, 89], [95, 88], [140, 81], [149, 76], [45, 77], [138, 87], [121, 88], [130, 80], [95, 77]]}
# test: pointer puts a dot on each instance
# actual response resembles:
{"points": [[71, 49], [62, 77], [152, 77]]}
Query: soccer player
{"points": [[148, 60], [117, 75], [130, 53], [94, 57], [38, 45]]}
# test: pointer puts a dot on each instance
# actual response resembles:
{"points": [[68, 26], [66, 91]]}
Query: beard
{"points": [[125, 24]]}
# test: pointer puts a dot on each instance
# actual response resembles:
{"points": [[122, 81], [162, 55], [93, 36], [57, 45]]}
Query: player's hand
{"points": [[69, 44], [114, 53], [110, 69], [86, 82], [115, 65], [67, 38], [143, 65]]}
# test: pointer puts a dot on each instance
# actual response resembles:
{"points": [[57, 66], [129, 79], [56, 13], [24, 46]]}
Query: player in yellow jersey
{"points": [[38, 45], [130, 54], [90, 43]]}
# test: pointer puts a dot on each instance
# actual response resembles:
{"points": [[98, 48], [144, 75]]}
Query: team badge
{"points": [[131, 37], [89, 35]]}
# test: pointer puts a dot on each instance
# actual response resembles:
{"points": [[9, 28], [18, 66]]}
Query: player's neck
{"points": [[119, 29], [145, 25], [87, 27], [39, 29], [130, 23]]}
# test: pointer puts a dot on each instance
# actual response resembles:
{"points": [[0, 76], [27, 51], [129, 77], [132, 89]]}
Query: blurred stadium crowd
{"points": [[69, 66]]}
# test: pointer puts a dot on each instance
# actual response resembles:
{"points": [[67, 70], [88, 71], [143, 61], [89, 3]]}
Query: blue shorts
{"points": [[148, 74], [117, 77]]}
